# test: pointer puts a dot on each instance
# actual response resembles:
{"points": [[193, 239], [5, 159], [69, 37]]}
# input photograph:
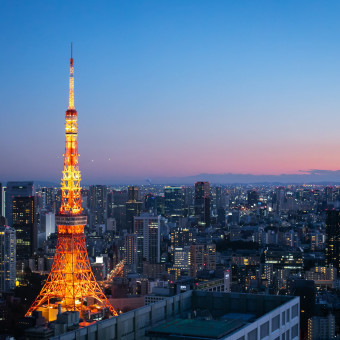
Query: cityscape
{"points": [[222, 240]]}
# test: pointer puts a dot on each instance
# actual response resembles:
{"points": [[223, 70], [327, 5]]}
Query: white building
{"points": [[233, 316]]}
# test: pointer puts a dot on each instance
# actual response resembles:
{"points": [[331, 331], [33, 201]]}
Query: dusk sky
{"points": [[170, 88]]}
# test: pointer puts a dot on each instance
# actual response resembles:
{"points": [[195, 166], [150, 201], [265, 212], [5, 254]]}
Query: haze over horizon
{"points": [[217, 88], [304, 177]]}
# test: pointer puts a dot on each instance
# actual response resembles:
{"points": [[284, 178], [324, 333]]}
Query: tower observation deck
{"points": [[71, 283]]}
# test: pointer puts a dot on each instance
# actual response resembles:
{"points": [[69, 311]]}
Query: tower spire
{"points": [[71, 89]]}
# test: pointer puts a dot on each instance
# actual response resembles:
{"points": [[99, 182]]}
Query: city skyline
{"points": [[216, 89]]}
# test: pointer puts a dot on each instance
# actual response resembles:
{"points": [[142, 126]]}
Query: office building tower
{"points": [[98, 204], [1, 201], [3, 221], [280, 198], [218, 198], [150, 203], [7, 259], [283, 259], [333, 238], [202, 203], [147, 231], [305, 289], [181, 237], [267, 273], [221, 217], [182, 259], [133, 193], [321, 328], [130, 241], [16, 189], [316, 240], [188, 201], [110, 203], [25, 224], [328, 195], [173, 203], [47, 223], [202, 256], [117, 207], [252, 198], [48, 200], [159, 202], [292, 239], [133, 208]]}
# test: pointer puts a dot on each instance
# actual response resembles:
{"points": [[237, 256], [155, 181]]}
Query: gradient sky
{"points": [[170, 88]]}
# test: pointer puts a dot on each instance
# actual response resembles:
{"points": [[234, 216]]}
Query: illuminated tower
{"points": [[71, 281]]}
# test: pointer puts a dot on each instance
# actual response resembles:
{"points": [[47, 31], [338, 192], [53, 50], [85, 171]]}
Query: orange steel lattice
{"points": [[71, 280]]}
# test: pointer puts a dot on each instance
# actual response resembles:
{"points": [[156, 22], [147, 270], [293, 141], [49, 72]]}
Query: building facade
{"points": [[16, 189], [7, 258], [147, 231]]}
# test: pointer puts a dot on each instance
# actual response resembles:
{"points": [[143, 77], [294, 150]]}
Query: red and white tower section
{"points": [[71, 283]]}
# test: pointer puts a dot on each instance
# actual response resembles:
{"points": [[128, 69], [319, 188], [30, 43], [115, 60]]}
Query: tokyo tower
{"points": [[71, 282]]}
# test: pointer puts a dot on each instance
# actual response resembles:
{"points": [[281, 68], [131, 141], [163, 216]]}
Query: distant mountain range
{"points": [[314, 176]]}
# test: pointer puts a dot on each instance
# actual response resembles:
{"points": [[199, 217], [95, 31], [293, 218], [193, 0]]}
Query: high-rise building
{"points": [[1, 201], [202, 203], [333, 238], [16, 189], [149, 203], [98, 204], [316, 240], [173, 202], [133, 193], [202, 256], [147, 230], [133, 208], [280, 198], [188, 201], [159, 202], [131, 250], [182, 259], [7, 258], [47, 223], [25, 224], [321, 328], [117, 207], [292, 239], [305, 289], [48, 201], [252, 198], [181, 237]]}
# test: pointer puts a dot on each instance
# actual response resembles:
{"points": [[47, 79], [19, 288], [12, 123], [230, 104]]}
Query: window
{"points": [[275, 322], [287, 315], [283, 336], [241, 338], [287, 335], [295, 311], [252, 335], [264, 330], [295, 331], [283, 318]]}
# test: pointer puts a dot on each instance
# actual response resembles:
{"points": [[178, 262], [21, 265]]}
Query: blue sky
{"points": [[170, 88]]}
